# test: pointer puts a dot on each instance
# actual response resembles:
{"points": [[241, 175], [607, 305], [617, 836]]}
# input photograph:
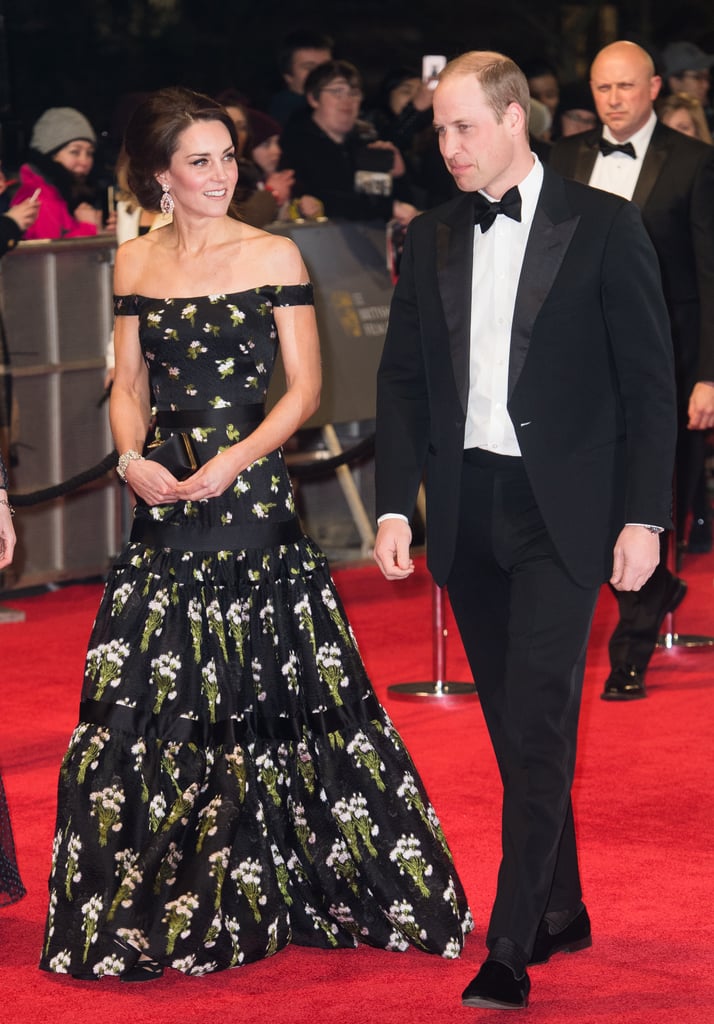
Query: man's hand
{"points": [[391, 549], [636, 556], [701, 406]]}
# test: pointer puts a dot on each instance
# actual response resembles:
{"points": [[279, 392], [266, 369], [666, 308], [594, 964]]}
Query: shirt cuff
{"points": [[391, 515], [648, 526]]}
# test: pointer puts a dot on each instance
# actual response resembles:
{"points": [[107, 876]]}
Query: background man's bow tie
{"points": [[607, 148], [486, 212]]}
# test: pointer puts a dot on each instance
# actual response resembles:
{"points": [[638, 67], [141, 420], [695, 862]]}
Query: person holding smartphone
{"points": [[59, 162], [338, 159]]}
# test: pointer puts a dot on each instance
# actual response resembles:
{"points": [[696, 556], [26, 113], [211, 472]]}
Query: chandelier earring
{"points": [[167, 203]]}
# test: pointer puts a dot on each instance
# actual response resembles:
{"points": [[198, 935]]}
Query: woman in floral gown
{"points": [[232, 784]]}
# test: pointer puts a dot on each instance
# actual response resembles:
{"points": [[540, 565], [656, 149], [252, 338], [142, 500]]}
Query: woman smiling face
{"points": [[203, 171], [77, 157]]}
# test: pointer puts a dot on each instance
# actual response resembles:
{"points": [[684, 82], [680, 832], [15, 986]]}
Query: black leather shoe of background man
{"points": [[574, 937], [495, 987], [627, 681], [625, 684]]}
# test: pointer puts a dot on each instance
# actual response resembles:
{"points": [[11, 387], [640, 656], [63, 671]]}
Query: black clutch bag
{"points": [[176, 454]]}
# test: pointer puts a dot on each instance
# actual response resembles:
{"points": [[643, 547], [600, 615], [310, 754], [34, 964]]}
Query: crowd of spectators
{"points": [[323, 148]]}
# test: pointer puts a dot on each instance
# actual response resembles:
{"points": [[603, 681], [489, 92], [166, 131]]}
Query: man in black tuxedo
{"points": [[527, 368], [670, 177]]}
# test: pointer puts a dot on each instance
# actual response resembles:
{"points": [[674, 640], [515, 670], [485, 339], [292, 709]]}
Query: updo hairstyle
{"points": [[152, 136]]}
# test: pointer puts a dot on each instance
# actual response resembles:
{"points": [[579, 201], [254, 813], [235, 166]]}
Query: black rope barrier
{"points": [[74, 483], [324, 467], [312, 470]]}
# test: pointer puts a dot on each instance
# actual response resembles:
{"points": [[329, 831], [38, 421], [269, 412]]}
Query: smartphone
{"points": [[431, 66]]}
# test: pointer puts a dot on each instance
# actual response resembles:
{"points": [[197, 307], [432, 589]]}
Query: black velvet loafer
{"points": [[495, 987], [574, 937]]}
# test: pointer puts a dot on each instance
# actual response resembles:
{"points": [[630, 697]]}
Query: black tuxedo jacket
{"points": [[675, 193], [590, 392]]}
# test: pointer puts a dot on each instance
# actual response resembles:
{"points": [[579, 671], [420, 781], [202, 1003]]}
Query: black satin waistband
{"points": [[216, 538], [230, 731], [492, 460], [240, 415]]}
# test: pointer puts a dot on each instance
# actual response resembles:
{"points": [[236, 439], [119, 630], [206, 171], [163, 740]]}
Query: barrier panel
{"points": [[353, 289], [58, 315]]}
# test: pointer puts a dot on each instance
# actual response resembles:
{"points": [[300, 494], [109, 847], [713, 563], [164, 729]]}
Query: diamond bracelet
{"points": [[124, 460]]}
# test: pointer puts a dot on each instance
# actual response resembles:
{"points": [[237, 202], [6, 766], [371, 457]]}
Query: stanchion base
{"points": [[434, 690], [688, 640], [11, 615]]}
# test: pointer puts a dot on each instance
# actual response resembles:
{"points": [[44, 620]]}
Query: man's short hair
{"points": [[501, 79], [301, 39], [325, 73]]}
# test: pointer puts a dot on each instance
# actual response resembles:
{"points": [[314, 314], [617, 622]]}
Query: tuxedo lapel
{"points": [[454, 259], [652, 163], [552, 229], [585, 157]]}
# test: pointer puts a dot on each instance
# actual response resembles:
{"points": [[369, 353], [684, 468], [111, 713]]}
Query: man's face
{"points": [[336, 107], [545, 88], [624, 90], [303, 63], [477, 150], [694, 83]]}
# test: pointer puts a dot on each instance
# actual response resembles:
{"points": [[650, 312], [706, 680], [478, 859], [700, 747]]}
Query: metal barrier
{"points": [[58, 315]]}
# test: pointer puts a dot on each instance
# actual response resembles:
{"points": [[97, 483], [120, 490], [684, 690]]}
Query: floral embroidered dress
{"points": [[233, 784]]}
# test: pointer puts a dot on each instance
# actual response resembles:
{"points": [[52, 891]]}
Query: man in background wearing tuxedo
{"points": [[527, 369], [670, 177]]}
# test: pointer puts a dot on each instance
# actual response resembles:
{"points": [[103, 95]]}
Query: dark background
{"points": [[87, 53]]}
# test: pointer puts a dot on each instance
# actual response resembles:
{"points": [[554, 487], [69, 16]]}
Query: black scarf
{"points": [[73, 190]]}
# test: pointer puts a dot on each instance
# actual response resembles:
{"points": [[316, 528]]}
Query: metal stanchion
{"points": [[10, 615], [437, 687]]}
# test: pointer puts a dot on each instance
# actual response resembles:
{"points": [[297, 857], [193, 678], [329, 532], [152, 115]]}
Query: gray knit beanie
{"points": [[59, 126]]}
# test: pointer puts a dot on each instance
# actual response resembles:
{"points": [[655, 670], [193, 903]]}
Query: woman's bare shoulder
{"points": [[133, 257], [281, 259]]}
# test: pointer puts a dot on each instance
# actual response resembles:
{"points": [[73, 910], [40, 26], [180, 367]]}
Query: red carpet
{"points": [[642, 797]]}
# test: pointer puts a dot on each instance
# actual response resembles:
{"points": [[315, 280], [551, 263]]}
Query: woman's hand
{"points": [[212, 479], [86, 214], [152, 482], [280, 183]]}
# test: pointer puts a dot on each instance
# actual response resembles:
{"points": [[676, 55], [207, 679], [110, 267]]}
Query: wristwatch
{"points": [[124, 460]]}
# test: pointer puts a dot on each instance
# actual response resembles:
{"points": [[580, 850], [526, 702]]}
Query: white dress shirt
{"points": [[497, 263], [618, 173]]}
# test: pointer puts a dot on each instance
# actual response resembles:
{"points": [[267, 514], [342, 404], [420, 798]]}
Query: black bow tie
{"points": [[607, 148], [486, 212]]}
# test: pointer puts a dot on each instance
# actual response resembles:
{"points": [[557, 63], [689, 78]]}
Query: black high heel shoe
{"points": [[144, 969]]}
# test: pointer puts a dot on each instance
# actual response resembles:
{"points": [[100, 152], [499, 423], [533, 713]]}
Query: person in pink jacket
{"points": [[60, 158]]}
